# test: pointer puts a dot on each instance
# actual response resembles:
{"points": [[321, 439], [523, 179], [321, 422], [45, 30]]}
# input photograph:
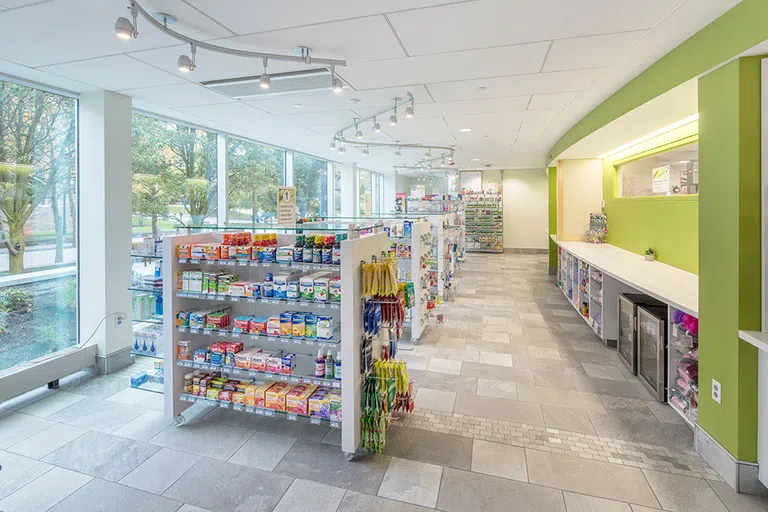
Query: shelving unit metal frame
{"points": [[349, 313]]}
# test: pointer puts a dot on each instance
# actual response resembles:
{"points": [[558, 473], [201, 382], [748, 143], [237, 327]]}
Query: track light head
{"points": [[124, 29], [333, 145], [342, 148], [393, 120], [427, 154], [409, 112], [336, 84], [264, 81], [398, 153], [185, 64], [376, 126], [366, 152], [358, 133]]}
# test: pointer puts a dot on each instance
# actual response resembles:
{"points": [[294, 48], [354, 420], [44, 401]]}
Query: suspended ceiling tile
{"points": [[502, 22], [43, 77], [547, 101], [191, 22], [359, 39], [114, 73], [181, 95], [75, 30], [490, 62], [249, 16], [483, 106], [541, 83], [226, 112], [590, 52], [11, 4]]}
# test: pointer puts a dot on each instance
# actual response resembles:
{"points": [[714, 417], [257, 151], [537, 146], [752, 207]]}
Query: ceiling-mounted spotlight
{"points": [[409, 112], [187, 64], [366, 152], [336, 84], [358, 133], [376, 126], [398, 153], [264, 81], [124, 29], [427, 154], [333, 145], [393, 117], [342, 148]]}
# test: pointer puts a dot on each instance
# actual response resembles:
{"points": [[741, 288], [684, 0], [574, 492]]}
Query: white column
{"points": [[105, 226], [289, 168], [222, 167], [388, 198], [349, 190]]}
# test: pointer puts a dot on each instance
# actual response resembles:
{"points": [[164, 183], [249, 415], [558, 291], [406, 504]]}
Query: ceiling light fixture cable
{"points": [[125, 29]]}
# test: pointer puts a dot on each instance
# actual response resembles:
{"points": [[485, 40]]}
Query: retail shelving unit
{"points": [[346, 316], [411, 253], [432, 204], [484, 222], [147, 305], [683, 367]]}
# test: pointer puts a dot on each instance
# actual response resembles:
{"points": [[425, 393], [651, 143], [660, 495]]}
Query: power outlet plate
{"points": [[717, 392], [119, 319]]}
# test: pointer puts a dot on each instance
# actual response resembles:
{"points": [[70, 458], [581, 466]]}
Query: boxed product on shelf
{"points": [[255, 394], [275, 396], [334, 293], [320, 403], [297, 399], [335, 405]]}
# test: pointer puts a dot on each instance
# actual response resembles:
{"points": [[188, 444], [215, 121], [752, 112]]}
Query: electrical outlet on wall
{"points": [[717, 391]]}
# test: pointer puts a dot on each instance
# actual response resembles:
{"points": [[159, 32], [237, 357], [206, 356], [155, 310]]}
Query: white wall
{"points": [[582, 194], [525, 208]]}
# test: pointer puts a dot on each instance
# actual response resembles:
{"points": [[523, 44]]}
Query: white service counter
{"points": [[760, 340]]}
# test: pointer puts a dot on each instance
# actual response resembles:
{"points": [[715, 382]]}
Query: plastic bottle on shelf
{"points": [[298, 249], [329, 365], [308, 245], [336, 255], [337, 368], [320, 365]]}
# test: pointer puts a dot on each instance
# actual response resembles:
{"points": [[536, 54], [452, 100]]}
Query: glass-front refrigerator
{"points": [[626, 344], [652, 349]]}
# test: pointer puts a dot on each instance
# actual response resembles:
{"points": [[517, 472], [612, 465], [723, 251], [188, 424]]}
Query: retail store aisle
{"points": [[518, 408]]}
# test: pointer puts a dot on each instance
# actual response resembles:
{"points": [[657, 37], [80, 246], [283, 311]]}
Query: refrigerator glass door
{"points": [[626, 344], [651, 347]]}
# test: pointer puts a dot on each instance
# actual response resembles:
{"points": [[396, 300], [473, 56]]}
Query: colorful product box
{"points": [[183, 350], [213, 251], [258, 325], [288, 364], [321, 285], [243, 252], [293, 290], [324, 327], [200, 355], [274, 398], [281, 286], [182, 319], [241, 324], [255, 394], [310, 326], [306, 288], [335, 290], [273, 326], [286, 323], [335, 398], [183, 251], [297, 399], [298, 324], [238, 398], [284, 254], [320, 404], [253, 290], [275, 363], [197, 252]]}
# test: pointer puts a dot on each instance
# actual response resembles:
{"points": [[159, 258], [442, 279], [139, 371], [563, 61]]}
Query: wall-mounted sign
{"points": [[286, 206], [418, 191], [660, 179]]}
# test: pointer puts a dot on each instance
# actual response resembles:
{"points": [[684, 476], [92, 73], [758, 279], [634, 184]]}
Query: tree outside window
{"points": [[310, 177], [254, 173]]}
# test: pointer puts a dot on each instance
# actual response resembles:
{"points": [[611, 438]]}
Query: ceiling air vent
{"points": [[282, 83]]}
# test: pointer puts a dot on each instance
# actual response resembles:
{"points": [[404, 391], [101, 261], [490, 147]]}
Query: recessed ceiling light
{"points": [[297, 105], [481, 87], [466, 130], [475, 159], [354, 100]]}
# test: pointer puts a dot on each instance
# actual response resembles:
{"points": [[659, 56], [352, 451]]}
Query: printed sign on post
{"points": [[660, 179], [286, 206]]}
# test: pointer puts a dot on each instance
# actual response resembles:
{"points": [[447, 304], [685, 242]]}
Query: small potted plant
{"points": [[650, 254]]}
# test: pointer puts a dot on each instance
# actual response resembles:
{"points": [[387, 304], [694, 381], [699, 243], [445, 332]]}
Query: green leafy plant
{"points": [[650, 252], [17, 300]]}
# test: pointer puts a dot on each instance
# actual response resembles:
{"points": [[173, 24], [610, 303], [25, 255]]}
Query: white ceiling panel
{"points": [[510, 120], [10, 4], [509, 60], [75, 30], [12, 69], [114, 73], [190, 22], [485, 106], [251, 16], [503, 22], [320, 101], [181, 95], [547, 101], [225, 112], [499, 87], [359, 39], [590, 52]]}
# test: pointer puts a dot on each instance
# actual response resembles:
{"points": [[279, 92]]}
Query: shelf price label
{"points": [[224, 405], [182, 329], [235, 299], [269, 413], [253, 300], [315, 421], [291, 417], [237, 407], [207, 331], [260, 412], [336, 384], [223, 333], [335, 424]]}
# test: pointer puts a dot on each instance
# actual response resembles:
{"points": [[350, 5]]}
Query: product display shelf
{"points": [[432, 204], [147, 301], [682, 366], [484, 219], [346, 341]]}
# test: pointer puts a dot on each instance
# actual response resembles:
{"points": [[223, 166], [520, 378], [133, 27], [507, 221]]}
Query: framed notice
{"points": [[286, 206], [660, 179]]}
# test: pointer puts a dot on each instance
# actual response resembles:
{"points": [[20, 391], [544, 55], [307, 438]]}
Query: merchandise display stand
{"points": [[345, 317], [484, 222]]}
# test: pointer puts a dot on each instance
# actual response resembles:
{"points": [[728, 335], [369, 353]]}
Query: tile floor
{"points": [[519, 407]]}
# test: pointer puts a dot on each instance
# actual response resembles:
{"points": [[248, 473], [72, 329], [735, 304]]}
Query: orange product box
{"points": [[197, 251], [213, 251], [297, 399], [274, 398], [183, 251], [243, 252], [255, 393], [243, 358], [238, 398], [224, 251]]}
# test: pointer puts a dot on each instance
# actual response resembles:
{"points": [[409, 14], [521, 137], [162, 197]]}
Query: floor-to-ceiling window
{"points": [[365, 192], [337, 171], [174, 176], [255, 171], [310, 177], [38, 223]]}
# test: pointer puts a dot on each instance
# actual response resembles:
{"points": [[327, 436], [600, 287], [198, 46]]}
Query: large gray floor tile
{"points": [[205, 438], [359, 502], [100, 495], [100, 386], [228, 416], [300, 429], [51, 404], [102, 455], [429, 447], [682, 493], [47, 441], [571, 420], [602, 371], [497, 388], [736, 502], [436, 400], [488, 371], [255, 490], [560, 397], [592, 477], [463, 491], [18, 471], [642, 429], [17, 426], [499, 460], [45, 491], [448, 366], [99, 415], [499, 409], [411, 481], [155, 402], [264, 450], [191, 508], [443, 382], [306, 495], [553, 380], [627, 405], [611, 387], [160, 471], [582, 503], [144, 427], [326, 464]]}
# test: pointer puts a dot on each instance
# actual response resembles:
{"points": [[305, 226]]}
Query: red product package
{"points": [[225, 396], [258, 325]]}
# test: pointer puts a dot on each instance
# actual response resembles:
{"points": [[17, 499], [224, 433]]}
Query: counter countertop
{"points": [[678, 288]]}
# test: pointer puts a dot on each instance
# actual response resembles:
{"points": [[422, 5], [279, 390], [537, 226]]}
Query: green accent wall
{"points": [[729, 252], [739, 29], [552, 175], [668, 224]]}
